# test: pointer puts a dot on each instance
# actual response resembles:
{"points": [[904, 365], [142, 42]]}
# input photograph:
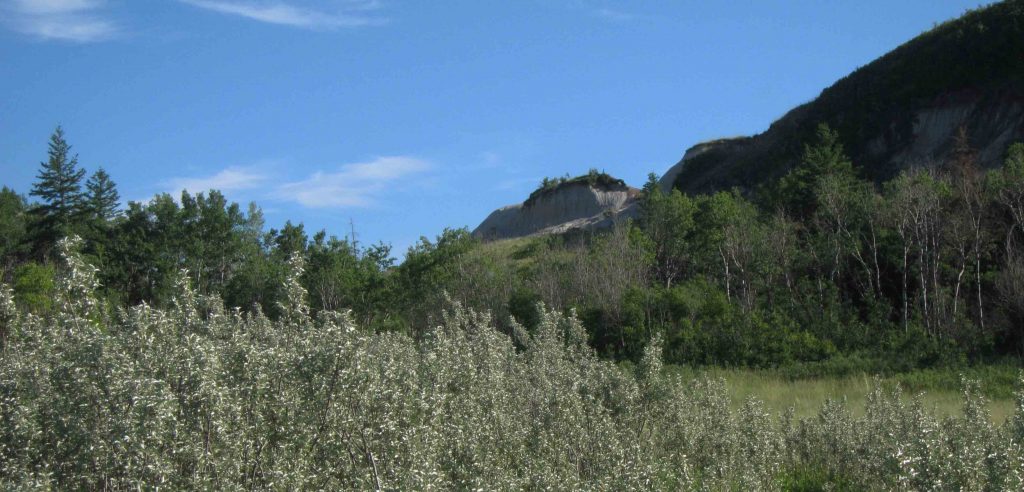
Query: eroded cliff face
{"points": [[568, 207], [991, 123], [920, 137]]}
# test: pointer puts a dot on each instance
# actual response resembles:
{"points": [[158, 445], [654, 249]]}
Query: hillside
{"points": [[899, 111]]}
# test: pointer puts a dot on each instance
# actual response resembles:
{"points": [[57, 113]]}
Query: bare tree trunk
{"points": [[725, 264], [956, 290], [977, 276], [906, 305], [874, 256]]}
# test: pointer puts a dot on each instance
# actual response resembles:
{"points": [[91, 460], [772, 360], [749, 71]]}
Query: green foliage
{"points": [[13, 226], [33, 287], [339, 276], [523, 307], [668, 223], [101, 198], [428, 268], [822, 162]]}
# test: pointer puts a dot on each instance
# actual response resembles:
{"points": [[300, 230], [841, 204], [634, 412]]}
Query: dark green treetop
{"points": [[823, 158], [59, 185], [101, 197]]}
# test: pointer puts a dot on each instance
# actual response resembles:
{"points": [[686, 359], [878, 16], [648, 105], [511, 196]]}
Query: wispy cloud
{"points": [[230, 179], [325, 14], [354, 185], [613, 15], [614, 11], [81, 21], [516, 183]]}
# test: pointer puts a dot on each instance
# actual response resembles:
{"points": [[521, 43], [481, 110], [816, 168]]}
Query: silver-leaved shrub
{"points": [[197, 397]]}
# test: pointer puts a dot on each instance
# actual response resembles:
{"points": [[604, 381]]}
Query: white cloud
{"points": [[321, 15], [230, 179], [354, 185], [66, 20]]}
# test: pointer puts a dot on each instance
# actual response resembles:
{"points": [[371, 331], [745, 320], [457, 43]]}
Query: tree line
{"points": [[140, 249], [821, 267]]}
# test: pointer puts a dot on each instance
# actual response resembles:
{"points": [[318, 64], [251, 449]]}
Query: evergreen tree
{"points": [[102, 198], [825, 157], [59, 185]]}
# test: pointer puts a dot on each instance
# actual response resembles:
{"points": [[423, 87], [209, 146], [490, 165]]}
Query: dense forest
{"points": [[820, 270]]}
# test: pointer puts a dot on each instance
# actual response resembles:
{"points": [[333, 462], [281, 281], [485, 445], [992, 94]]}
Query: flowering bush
{"points": [[196, 397]]}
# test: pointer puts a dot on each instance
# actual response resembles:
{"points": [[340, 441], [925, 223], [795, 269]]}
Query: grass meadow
{"points": [[940, 388]]}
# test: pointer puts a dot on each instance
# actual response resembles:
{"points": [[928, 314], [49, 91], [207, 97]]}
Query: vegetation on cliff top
{"points": [[593, 178]]}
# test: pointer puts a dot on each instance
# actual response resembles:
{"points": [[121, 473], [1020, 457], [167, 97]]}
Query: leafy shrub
{"points": [[197, 397], [33, 287]]}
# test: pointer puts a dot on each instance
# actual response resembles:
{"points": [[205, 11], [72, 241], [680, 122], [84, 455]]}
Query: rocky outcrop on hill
{"points": [[570, 206]]}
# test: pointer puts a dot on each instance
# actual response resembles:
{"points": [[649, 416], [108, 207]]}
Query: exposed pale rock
{"points": [[570, 206]]}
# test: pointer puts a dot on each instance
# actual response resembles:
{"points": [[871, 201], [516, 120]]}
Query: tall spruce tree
{"points": [[824, 157], [101, 197], [59, 186]]}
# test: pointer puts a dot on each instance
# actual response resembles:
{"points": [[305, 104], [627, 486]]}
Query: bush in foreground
{"points": [[195, 397]]}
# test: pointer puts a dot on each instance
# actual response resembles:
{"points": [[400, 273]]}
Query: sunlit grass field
{"points": [[939, 389]]}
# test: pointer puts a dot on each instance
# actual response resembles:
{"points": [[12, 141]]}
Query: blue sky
{"points": [[409, 116]]}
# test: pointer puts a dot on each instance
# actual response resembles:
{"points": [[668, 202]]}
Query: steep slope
{"points": [[901, 110], [571, 205]]}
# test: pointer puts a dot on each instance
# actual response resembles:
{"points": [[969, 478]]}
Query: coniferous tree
{"points": [[825, 157], [99, 209], [59, 185], [101, 198]]}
